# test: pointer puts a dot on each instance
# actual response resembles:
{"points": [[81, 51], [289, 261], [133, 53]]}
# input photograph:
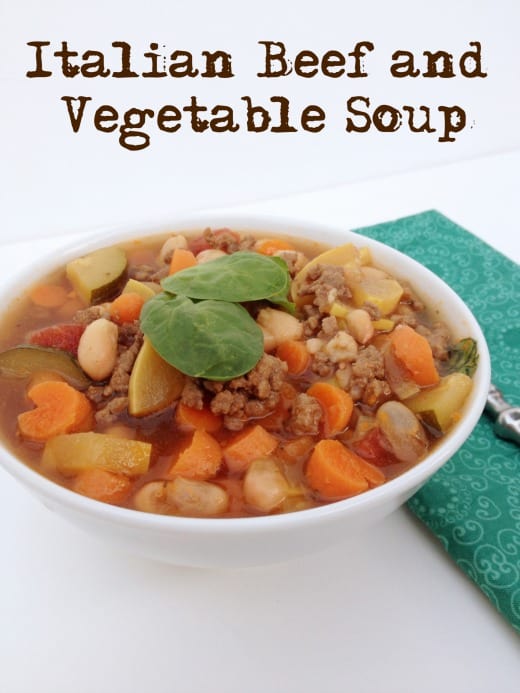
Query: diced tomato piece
{"points": [[371, 448], [199, 244], [64, 337]]}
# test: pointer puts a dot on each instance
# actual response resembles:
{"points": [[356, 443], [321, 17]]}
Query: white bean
{"points": [[166, 252], [269, 340], [344, 375], [97, 348], [209, 254], [197, 498], [360, 325], [151, 498], [402, 430], [342, 347], [279, 326], [314, 344], [265, 487]]}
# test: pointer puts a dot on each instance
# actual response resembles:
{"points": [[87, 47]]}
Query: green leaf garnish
{"points": [[464, 357], [217, 340], [198, 324], [237, 278]]}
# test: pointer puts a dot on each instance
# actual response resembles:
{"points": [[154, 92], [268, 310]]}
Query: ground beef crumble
{"points": [[228, 241], [327, 284], [438, 337], [192, 394], [322, 365], [253, 395], [306, 415], [367, 381], [87, 315], [148, 273]]}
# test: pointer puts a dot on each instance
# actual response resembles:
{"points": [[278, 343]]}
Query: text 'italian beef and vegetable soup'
{"points": [[225, 374]]}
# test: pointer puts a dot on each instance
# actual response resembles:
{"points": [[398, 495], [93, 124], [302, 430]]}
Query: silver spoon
{"points": [[506, 417]]}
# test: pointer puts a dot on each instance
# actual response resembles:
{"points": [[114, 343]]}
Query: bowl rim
{"points": [[406, 483]]}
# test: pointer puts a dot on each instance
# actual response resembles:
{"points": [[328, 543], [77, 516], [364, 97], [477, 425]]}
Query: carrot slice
{"points": [[48, 295], [295, 355], [59, 409], [337, 406], [415, 353], [102, 485], [181, 259], [200, 460], [126, 307], [269, 246], [336, 472], [249, 445], [188, 419]]}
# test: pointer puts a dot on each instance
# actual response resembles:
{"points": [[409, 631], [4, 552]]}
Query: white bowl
{"points": [[252, 541]]}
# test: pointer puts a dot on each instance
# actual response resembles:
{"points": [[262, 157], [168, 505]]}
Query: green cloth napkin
{"points": [[472, 504]]}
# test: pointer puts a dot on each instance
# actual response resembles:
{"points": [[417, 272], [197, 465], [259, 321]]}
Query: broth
{"points": [[333, 405]]}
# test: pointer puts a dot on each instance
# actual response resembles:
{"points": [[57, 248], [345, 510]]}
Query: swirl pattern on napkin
{"points": [[472, 504]]}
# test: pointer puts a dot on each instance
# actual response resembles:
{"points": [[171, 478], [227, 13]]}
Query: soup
{"points": [[222, 374]]}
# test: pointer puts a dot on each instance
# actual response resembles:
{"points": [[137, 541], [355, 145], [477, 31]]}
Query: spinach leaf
{"points": [[280, 298], [209, 339], [464, 357], [239, 277]]}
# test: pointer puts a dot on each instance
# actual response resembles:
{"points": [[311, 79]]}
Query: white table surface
{"points": [[390, 613]]}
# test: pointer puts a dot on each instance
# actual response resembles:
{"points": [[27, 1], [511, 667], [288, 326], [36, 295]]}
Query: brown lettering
{"points": [[38, 68], [213, 60], [106, 114], [305, 60], [76, 117], [403, 65], [275, 63]]}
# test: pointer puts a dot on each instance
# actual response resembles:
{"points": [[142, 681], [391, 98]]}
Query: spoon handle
{"points": [[507, 418]]}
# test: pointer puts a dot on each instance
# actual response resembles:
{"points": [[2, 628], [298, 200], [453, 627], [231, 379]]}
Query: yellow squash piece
{"points": [[440, 406], [154, 383], [133, 286], [380, 292], [339, 309], [97, 276], [344, 256], [383, 325], [72, 453]]}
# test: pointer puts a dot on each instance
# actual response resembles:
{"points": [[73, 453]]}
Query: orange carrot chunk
{"points": [[102, 485], [48, 295], [126, 308], [270, 246], [181, 259], [337, 406], [415, 353], [336, 472], [249, 445], [295, 355], [59, 409], [200, 460], [188, 419]]}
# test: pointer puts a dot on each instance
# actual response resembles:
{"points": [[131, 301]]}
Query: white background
{"points": [[56, 181], [388, 613]]}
